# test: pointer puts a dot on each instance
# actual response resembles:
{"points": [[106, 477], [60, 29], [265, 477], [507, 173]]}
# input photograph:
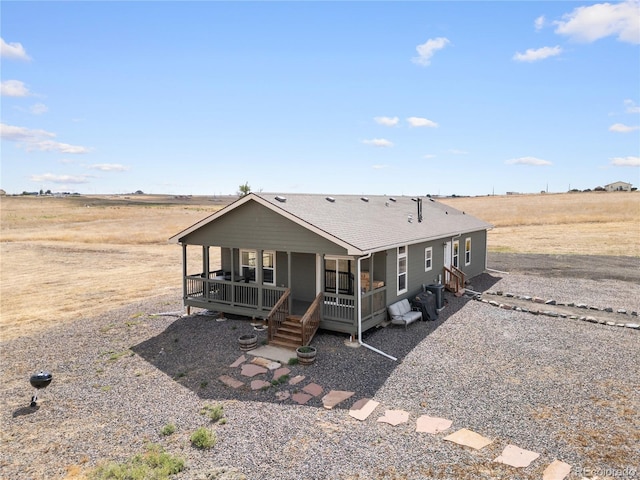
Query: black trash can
{"points": [[438, 291]]}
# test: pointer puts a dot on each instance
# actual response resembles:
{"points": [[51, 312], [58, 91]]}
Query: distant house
{"points": [[333, 262], [618, 187]]}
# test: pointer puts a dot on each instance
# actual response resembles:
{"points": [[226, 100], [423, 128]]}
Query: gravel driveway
{"points": [[563, 388]]}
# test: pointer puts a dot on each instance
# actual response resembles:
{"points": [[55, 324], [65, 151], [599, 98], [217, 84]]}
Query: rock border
{"points": [[554, 314]]}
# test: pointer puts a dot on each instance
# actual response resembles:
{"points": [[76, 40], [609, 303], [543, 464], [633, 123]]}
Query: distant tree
{"points": [[244, 189], [598, 189], [139, 192], [48, 192]]}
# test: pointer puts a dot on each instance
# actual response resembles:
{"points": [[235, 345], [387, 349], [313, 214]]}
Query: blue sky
{"points": [[414, 98]]}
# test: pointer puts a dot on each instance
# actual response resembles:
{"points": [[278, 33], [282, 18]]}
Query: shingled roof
{"points": [[362, 224]]}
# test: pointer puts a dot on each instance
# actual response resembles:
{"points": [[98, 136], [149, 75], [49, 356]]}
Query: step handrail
{"points": [[310, 321], [456, 278], [278, 314]]}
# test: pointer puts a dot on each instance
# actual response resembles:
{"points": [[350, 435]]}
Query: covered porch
{"points": [[310, 289]]}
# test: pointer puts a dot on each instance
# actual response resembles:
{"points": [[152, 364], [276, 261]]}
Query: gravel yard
{"points": [[563, 388]]}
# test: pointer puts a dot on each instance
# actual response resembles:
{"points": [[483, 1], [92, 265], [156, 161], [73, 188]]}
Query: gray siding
{"points": [[478, 253], [416, 275], [253, 226]]}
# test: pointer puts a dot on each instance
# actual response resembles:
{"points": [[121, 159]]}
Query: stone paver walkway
{"points": [[516, 456], [394, 417], [427, 424], [362, 408], [312, 389], [468, 438], [334, 397], [557, 470]]}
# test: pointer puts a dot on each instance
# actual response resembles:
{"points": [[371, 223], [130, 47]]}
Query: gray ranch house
{"points": [[303, 261]]}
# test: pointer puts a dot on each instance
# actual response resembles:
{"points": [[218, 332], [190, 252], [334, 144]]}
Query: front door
{"points": [[447, 262], [303, 277]]}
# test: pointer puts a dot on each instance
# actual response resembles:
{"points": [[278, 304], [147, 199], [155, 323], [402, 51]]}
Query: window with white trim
{"points": [[249, 263], [456, 253], [467, 251], [428, 259], [402, 270], [269, 267]]}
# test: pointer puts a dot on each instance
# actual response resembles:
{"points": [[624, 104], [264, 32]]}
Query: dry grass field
{"points": [[593, 223], [65, 258]]}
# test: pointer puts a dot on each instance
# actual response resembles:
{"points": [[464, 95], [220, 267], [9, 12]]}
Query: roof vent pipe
{"points": [[330, 199], [281, 199], [364, 199]]}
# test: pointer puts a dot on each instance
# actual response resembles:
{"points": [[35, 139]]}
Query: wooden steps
{"points": [[289, 335]]}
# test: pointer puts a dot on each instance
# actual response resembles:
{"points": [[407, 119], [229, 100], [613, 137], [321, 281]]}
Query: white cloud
{"points": [[13, 88], [51, 146], [378, 142], [588, 24], [625, 161], [13, 50], [539, 23], [52, 178], [535, 54], [631, 106], [387, 121], [428, 49], [421, 122], [38, 109], [429, 156], [537, 162], [621, 128], [22, 134], [37, 140], [379, 167], [109, 167]]}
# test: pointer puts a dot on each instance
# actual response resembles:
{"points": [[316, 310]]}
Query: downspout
{"points": [[358, 280]]}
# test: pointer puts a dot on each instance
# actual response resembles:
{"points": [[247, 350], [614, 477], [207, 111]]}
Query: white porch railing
{"points": [[239, 294]]}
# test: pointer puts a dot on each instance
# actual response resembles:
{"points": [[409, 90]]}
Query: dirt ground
{"points": [[593, 267]]}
